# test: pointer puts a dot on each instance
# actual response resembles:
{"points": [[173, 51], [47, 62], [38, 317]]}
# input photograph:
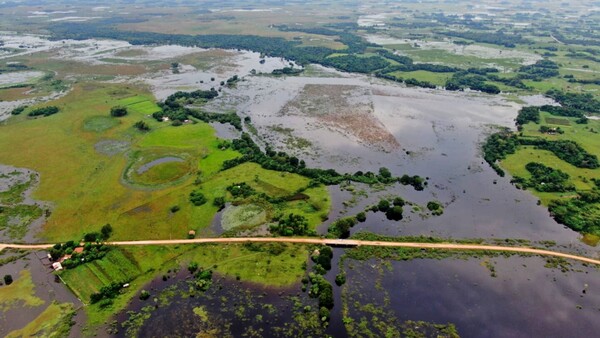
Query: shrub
{"points": [[118, 111], [8, 279], [197, 198]]}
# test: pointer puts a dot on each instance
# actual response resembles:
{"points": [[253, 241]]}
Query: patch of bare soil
{"points": [[345, 108]]}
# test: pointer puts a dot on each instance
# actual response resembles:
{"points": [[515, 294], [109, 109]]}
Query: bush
{"points": [[197, 198], [340, 279], [106, 231], [141, 126], [361, 217], [8, 279], [394, 213], [383, 205], [144, 295], [118, 111], [174, 209], [219, 202], [45, 111]]}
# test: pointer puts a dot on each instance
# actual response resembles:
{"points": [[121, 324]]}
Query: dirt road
{"points": [[337, 242]]}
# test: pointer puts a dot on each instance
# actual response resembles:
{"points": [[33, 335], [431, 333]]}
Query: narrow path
{"points": [[336, 242]]}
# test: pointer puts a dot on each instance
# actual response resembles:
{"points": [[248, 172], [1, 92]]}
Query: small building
{"points": [[78, 250], [57, 266]]}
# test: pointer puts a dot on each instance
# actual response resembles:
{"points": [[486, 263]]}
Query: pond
{"points": [[168, 159]]}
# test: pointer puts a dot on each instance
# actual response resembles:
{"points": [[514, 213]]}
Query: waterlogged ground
{"points": [[360, 123], [228, 308], [352, 122], [483, 297]]}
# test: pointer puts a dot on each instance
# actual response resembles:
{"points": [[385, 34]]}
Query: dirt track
{"points": [[338, 242]]}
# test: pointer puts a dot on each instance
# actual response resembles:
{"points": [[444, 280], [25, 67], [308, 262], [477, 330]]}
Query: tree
{"points": [[118, 111], [219, 202], [394, 213], [361, 217], [8, 279], [106, 231], [192, 267], [385, 172], [383, 205], [291, 225]]}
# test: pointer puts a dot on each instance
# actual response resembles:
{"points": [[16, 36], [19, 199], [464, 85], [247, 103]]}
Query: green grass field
{"points": [[422, 75], [585, 135], [86, 186]]}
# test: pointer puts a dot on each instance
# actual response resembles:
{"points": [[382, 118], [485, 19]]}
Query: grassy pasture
{"points": [[85, 186], [584, 134], [422, 75]]}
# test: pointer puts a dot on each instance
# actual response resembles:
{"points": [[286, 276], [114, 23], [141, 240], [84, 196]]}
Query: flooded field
{"points": [[439, 136], [21, 216], [350, 122], [518, 298]]}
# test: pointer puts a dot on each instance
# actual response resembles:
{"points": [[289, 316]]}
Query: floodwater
{"points": [[47, 288], [479, 51], [167, 159], [228, 306], [9, 178], [15, 78], [440, 134], [524, 300]]}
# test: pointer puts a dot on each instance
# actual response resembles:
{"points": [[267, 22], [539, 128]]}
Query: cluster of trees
{"points": [[142, 126], [497, 146], [393, 210], [322, 290], [409, 82], [341, 227], [280, 161], [18, 110], [577, 214], [91, 252], [549, 130], [528, 114], [500, 144], [567, 150], [545, 179], [268, 46], [203, 277], [242, 190], [462, 80], [107, 293], [291, 225], [174, 108], [323, 258], [540, 70], [356, 64], [287, 71], [584, 102], [44, 111], [435, 207], [118, 111]]}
